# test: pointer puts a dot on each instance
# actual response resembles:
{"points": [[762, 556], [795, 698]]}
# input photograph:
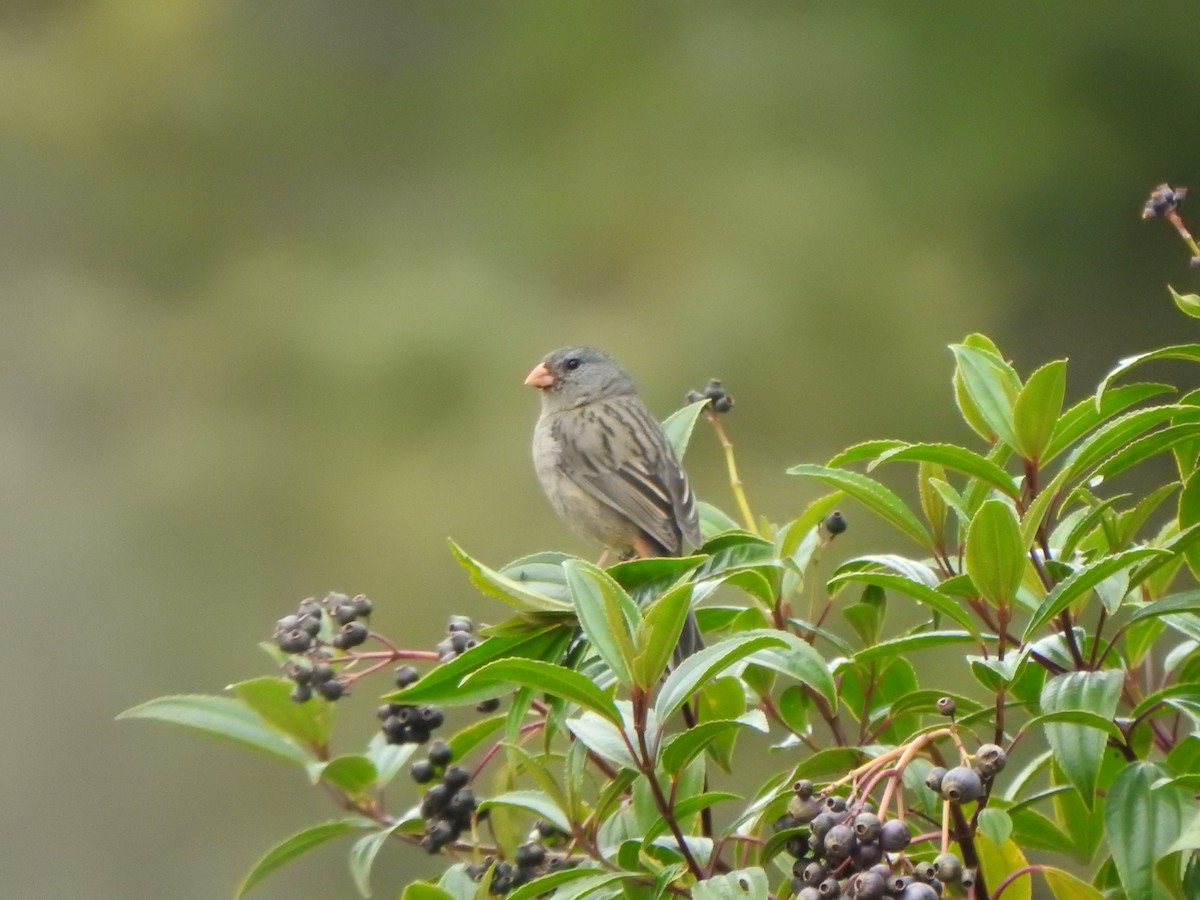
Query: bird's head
{"points": [[574, 376]]}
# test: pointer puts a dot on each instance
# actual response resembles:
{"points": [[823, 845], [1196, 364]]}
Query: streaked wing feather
{"points": [[620, 456]]}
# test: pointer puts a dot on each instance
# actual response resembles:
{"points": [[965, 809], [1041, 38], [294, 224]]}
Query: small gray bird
{"points": [[607, 466]]}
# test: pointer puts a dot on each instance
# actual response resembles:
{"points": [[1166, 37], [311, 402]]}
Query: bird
{"points": [[607, 466]]}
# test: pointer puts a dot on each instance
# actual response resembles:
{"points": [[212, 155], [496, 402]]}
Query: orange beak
{"points": [[540, 377]]}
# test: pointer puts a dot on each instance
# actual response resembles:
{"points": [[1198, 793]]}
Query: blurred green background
{"points": [[273, 272]]}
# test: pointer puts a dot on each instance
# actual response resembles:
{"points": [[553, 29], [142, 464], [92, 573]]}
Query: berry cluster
{"points": [[845, 852], [460, 637], [447, 806], [404, 723], [529, 861], [308, 636], [1163, 199], [964, 784], [714, 392]]}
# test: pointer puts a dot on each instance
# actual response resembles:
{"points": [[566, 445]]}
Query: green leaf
{"points": [[1066, 886], [541, 573], [713, 521], [1187, 352], [1072, 588], [299, 844], [722, 698], [1079, 749], [510, 590], [902, 646], [646, 579], [603, 738], [797, 659], [678, 426], [790, 537], [1084, 416], [473, 735], [223, 717], [1189, 304], [362, 858], [271, 698], [699, 668], [689, 807], [1000, 861], [1073, 717], [1142, 824], [995, 554], [424, 891], [352, 774], [936, 601], [953, 457], [992, 386], [682, 748], [1187, 601], [389, 759], [592, 880], [659, 633], [606, 613], [442, 685], [1038, 406], [873, 495], [420, 890], [996, 824], [1144, 447], [1189, 515], [1113, 437], [744, 884], [549, 678], [534, 802]]}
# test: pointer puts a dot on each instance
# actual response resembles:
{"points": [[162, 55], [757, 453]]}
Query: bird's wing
{"points": [[619, 454]]}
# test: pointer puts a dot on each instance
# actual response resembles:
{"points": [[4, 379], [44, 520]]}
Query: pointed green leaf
{"points": [[419, 890], [223, 717], [443, 685], [682, 748], [607, 615], [958, 458], [935, 600], [902, 646], [603, 738], [659, 634], [1065, 886], [1084, 416], [549, 678], [1187, 352], [744, 884], [678, 426], [534, 802], [362, 858], [992, 386], [700, 668], [1080, 582], [299, 844], [871, 494], [1038, 406], [995, 554], [1079, 749], [798, 660], [351, 774], [271, 698], [1187, 601], [511, 591], [1142, 824]]}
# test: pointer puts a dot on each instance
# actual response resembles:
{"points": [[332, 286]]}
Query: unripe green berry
{"points": [[947, 867]]}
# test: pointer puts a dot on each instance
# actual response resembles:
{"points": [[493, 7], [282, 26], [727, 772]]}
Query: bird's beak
{"points": [[540, 377]]}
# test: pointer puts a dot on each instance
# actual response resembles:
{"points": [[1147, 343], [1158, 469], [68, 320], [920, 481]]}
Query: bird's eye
{"points": [[572, 363]]}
